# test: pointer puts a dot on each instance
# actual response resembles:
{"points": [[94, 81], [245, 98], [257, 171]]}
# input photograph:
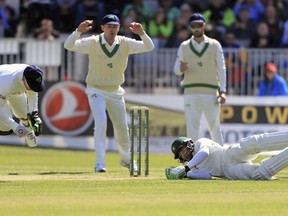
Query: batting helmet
{"points": [[178, 144]]}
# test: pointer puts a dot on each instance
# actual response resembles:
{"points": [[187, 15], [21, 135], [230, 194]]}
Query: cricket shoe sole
{"points": [[30, 139]]}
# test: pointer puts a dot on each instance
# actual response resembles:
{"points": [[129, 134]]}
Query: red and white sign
{"points": [[65, 109]]}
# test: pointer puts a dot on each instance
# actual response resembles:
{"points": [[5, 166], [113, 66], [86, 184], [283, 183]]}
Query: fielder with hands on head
{"points": [[205, 158], [19, 87], [201, 61], [108, 56]]}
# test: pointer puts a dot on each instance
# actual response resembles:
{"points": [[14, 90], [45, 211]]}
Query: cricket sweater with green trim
{"points": [[202, 75], [107, 64], [106, 68]]}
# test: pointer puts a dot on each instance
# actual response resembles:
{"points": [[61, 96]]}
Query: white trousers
{"points": [[238, 160], [197, 104], [18, 105], [114, 103]]}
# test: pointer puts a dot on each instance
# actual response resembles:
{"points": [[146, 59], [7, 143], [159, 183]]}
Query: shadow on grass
{"points": [[55, 173], [65, 173], [283, 177]]}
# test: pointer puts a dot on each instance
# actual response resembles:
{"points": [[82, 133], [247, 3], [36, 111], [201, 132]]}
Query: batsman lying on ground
{"points": [[205, 158]]}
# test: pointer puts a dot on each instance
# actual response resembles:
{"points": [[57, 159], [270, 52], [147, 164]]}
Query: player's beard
{"points": [[198, 33], [186, 154]]}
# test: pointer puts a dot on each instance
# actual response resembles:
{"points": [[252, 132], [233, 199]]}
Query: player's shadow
{"points": [[62, 173], [55, 173]]}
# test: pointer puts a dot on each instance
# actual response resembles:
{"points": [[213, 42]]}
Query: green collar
{"points": [[199, 54], [105, 50]]}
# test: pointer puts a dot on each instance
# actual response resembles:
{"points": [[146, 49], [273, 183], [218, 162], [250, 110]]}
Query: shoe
{"points": [[127, 165], [100, 167], [30, 138]]}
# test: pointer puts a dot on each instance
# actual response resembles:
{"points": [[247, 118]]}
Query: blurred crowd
{"points": [[235, 23]]}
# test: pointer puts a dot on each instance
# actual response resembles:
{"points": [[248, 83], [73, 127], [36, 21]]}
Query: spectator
{"points": [[230, 41], [64, 12], [235, 61], [161, 28], [275, 24], [230, 3], [178, 3], [172, 12], [281, 7], [46, 31], [144, 13], [220, 13], [90, 10], [273, 84], [132, 16], [115, 6], [181, 30], [37, 10], [185, 14], [265, 2], [255, 7], [284, 40], [244, 27], [182, 34], [125, 27], [198, 5], [262, 38], [8, 20], [213, 32]]}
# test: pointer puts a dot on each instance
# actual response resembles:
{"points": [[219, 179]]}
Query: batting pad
{"points": [[265, 142], [273, 165]]}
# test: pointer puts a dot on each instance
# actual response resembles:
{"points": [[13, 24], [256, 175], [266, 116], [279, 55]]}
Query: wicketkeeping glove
{"points": [[35, 122], [175, 173]]}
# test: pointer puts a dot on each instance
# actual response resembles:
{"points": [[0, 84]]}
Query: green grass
{"points": [[41, 182]]}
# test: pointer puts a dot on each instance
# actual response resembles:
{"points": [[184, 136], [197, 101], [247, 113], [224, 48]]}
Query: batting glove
{"points": [[35, 122]]}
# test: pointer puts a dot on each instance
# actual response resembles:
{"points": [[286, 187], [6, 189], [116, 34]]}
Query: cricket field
{"points": [[42, 182]]}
